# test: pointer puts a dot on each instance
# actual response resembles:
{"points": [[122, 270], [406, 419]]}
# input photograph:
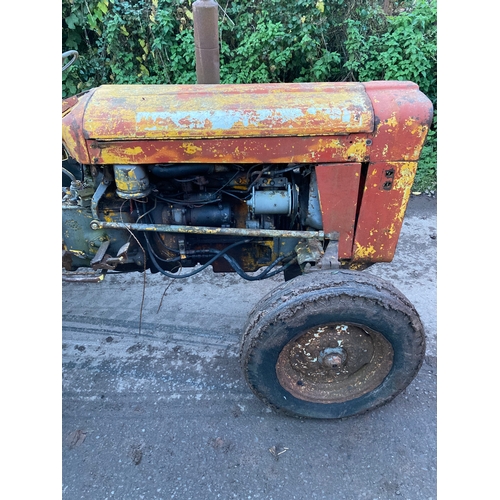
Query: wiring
{"points": [[196, 271]]}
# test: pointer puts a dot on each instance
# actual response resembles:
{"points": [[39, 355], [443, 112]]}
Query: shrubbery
{"points": [[152, 41]]}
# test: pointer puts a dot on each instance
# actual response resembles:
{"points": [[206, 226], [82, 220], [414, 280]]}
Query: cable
{"points": [[222, 253], [265, 274], [196, 271]]}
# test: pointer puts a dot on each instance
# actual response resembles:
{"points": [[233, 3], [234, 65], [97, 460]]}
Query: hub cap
{"points": [[334, 363]]}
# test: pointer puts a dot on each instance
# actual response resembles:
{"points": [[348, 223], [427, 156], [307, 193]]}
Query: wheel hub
{"points": [[333, 358], [334, 363]]}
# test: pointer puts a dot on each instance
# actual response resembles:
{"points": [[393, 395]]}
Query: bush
{"points": [[152, 41]]}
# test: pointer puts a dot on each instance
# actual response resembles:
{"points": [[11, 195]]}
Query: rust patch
{"points": [[334, 363]]}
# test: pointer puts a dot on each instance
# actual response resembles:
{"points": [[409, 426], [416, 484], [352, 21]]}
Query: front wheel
{"points": [[332, 344]]}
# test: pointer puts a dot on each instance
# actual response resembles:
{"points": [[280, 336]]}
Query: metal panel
{"points": [[403, 116], [241, 150], [206, 111], [338, 187], [386, 193], [73, 125]]}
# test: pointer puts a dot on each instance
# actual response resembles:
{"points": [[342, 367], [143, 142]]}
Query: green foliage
{"points": [[426, 177], [152, 41], [401, 48]]}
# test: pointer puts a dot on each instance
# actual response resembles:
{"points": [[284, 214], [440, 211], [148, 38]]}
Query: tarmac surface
{"points": [[154, 404]]}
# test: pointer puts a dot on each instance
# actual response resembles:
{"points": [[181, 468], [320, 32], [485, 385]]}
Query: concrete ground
{"points": [[154, 405]]}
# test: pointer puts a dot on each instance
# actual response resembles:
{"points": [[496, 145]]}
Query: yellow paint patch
{"points": [[133, 151], [392, 121], [357, 150], [406, 175], [190, 148], [333, 144], [390, 232], [364, 253]]}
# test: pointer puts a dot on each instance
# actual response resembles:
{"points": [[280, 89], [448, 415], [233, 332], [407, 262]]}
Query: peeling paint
{"points": [[134, 151], [364, 253], [392, 121], [252, 110], [357, 150], [190, 148]]}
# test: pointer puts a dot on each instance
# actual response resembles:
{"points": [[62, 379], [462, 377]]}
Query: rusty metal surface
{"points": [[333, 363], [403, 116], [338, 187], [245, 110], [321, 149], [296, 122], [226, 231], [73, 136], [68, 103], [387, 190], [206, 41]]}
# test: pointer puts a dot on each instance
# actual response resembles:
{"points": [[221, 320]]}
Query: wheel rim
{"points": [[334, 363]]}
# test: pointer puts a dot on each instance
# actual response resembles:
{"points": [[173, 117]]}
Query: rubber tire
{"points": [[322, 297]]}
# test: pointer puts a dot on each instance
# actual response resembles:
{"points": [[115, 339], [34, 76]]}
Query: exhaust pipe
{"points": [[206, 40]]}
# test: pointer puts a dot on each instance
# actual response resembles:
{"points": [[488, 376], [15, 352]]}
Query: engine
{"points": [[231, 214]]}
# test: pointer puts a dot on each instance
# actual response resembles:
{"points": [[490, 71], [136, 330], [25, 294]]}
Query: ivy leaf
{"points": [[71, 21]]}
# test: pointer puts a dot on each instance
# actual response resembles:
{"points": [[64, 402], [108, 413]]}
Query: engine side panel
{"points": [[383, 206], [338, 189]]}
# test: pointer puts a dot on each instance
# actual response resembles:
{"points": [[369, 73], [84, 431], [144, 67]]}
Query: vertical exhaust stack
{"points": [[206, 40]]}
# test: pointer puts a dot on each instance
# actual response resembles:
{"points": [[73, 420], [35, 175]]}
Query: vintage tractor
{"points": [[308, 179]]}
